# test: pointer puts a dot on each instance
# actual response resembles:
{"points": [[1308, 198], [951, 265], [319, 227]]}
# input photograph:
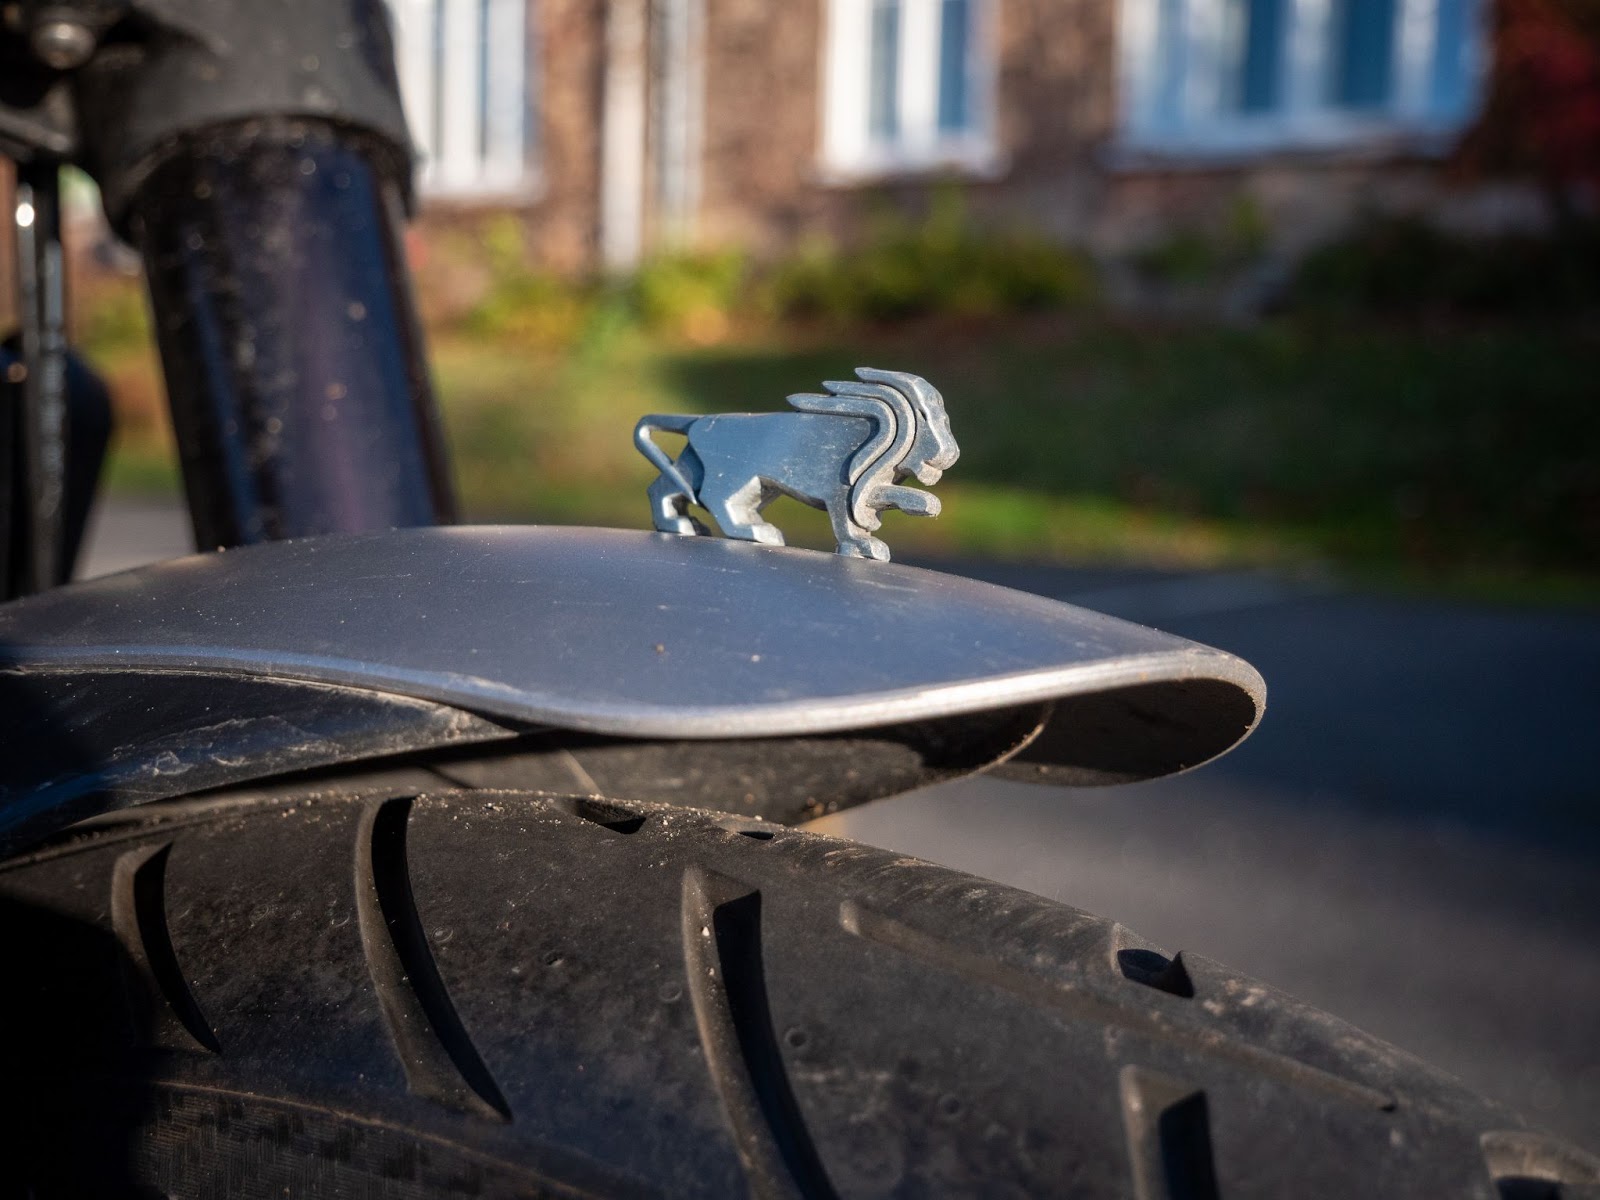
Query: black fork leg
{"points": [[37, 379], [299, 391]]}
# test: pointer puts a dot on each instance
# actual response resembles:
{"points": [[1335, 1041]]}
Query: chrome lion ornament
{"points": [[846, 452]]}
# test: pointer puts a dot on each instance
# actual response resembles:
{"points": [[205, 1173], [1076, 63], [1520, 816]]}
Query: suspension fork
{"points": [[294, 363], [37, 382]]}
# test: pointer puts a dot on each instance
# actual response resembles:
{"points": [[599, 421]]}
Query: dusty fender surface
{"points": [[374, 644]]}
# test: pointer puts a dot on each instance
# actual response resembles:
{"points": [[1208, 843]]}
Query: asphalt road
{"points": [[1410, 840]]}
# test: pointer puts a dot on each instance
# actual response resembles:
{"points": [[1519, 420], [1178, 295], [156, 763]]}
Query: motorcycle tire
{"points": [[376, 991]]}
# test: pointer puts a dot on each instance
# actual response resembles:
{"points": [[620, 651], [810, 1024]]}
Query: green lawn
{"points": [[1458, 457]]}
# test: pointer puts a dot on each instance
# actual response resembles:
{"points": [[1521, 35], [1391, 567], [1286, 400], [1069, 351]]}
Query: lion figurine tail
{"points": [[666, 423]]}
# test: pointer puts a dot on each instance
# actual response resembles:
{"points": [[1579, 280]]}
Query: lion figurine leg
{"points": [[669, 508], [738, 510], [866, 546], [854, 542]]}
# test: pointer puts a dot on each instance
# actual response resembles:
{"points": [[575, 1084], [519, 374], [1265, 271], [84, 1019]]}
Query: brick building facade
{"points": [[628, 126]]}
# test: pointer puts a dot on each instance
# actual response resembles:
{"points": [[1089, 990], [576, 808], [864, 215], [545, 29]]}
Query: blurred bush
{"points": [[940, 266], [110, 315], [1407, 267], [1195, 255], [520, 301], [692, 294]]}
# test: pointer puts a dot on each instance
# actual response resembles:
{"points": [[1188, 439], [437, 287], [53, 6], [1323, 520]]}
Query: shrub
{"points": [[111, 316], [1197, 256], [520, 302], [1404, 266], [940, 266], [691, 293]]}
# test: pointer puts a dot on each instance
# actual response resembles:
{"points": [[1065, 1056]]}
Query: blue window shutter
{"points": [[1363, 58], [883, 94], [1448, 95], [955, 35], [1261, 72]]}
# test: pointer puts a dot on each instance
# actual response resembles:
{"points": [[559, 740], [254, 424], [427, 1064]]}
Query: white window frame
{"points": [[1171, 86], [848, 153], [466, 82]]}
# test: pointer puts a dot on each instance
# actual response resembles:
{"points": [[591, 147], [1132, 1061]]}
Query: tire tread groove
{"points": [[1168, 1125], [722, 954], [172, 1014], [434, 1048]]}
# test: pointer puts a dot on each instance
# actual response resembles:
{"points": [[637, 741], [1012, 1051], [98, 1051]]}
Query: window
{"points": [[1204, 77], [907, 86], [464, 80]]}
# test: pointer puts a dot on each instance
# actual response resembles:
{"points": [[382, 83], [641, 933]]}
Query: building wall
{"points": [[761, 187], [559, 204], [764, 186], [563, 222], [762, 124], [1057, 109]]}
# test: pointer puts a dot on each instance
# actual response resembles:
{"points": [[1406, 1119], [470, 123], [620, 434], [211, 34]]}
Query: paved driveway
{"points": [[1410, 840]]}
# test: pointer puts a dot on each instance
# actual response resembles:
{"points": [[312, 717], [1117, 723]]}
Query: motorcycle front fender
{"points": [[772, 681]]}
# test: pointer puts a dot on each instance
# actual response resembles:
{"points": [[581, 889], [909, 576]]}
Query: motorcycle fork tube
{"points": [[293, 358], [38, 379]]}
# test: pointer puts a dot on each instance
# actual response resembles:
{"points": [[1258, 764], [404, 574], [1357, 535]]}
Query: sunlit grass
{"points": [[1459, 458]]}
